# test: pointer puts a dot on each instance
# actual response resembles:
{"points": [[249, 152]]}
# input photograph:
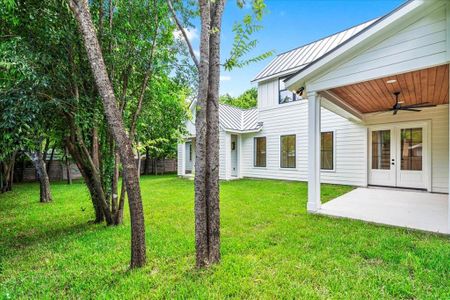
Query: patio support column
{"points": [[313, 152]]}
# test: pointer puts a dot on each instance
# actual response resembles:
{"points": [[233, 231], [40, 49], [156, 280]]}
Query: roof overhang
{"points": [[355, 43]]}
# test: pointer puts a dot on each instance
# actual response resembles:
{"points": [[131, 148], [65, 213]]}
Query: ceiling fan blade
{"points": [[425, 104], [409, 109]]}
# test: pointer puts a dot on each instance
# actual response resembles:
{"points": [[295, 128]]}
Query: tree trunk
{"points": [[90, 173], [67, 163], [41, 170], [115, 188], [8, 173], [201, 223], [147, 161], [207, 213], [138, 247], [212, 158], [95, 148]]}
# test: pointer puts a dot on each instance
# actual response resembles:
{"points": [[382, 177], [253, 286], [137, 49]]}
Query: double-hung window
{"points": [[287, 151]]}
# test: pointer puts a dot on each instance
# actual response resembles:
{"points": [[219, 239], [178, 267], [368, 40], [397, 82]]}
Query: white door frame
{"points": [[234, 173], [395, 134]]}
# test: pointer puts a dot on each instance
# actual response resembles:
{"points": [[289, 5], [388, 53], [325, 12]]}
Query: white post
{"points": [[313, 152], [182, 159]]}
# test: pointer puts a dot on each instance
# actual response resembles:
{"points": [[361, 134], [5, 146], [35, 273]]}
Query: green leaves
{"points": [[248, 99], [243, 42]]}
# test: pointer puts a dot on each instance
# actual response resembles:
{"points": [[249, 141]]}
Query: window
{"points": [[327, 151], [411, 149], [190, 151], [287, 151], [260, 151], [381, 150], [285, 96]]}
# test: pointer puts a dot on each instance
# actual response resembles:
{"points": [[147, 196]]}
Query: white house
{"points": [[364, 107]]}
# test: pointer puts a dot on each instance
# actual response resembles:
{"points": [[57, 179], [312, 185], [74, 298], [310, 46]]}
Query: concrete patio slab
{"points": [[403, 208]]}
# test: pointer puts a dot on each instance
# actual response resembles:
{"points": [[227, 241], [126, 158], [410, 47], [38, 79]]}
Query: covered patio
{"points": [[402, 208], [392, 79]]}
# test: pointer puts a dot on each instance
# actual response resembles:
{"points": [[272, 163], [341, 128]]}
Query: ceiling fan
{"points": [[413, 107]]}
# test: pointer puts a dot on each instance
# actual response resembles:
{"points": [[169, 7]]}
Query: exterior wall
{"points": [[420, 43], [268, 94], [224, 155], [291, 118], [180, 159], [439, 140]]}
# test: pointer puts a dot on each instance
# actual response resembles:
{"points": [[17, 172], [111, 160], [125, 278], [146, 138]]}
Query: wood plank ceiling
{"points": [[428, 85]]}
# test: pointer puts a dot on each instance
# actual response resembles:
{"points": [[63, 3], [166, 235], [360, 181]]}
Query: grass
{"points": [[271, 248]]}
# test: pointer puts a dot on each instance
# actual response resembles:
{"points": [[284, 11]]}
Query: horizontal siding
{"points": [[350, 155], [222, 155], [421, 44]]}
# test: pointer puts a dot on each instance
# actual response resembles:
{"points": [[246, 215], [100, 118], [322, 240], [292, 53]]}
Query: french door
{"points": [[398, 155]]}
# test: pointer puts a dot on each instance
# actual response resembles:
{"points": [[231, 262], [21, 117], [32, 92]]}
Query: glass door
{"points": [[412, 150], [382, 157]]}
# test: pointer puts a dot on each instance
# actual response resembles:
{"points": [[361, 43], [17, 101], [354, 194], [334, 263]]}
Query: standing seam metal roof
{"points": [[295, 59], [238, 119]]}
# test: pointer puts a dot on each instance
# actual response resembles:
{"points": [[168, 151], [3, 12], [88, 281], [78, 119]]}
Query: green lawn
{"points": [[270, 248]]}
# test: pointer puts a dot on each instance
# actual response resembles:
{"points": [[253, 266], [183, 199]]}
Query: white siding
{"points": [[421, 43], [180, 159], [439, 140], [223, 158], [350, 148]]}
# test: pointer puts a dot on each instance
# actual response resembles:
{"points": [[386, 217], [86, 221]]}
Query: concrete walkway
{"points": [[403, 208]]}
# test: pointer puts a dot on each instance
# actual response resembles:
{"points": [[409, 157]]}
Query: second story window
{"points": [[285, 96]]}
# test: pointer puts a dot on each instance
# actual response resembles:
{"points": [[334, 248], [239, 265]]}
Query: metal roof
{"points": [[294, 60], [238, 119]]}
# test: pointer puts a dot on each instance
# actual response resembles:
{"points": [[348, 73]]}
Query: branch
{"points": [[183, 32]]}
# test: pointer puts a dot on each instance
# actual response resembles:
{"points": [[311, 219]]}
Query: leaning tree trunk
{"points": [[130, 172], [41, 170]]}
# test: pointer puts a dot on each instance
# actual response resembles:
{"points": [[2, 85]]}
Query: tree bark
{"points": [[95, 148], [67, 162], [207, 212], [114, 119], [201, 218], [8, 173], [212, 158], [41, 170], [90, 173]]}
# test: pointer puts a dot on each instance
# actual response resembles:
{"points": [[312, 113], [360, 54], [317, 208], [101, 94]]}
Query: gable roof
{"points": [[295, 59], [237, 119], [387, 21]]}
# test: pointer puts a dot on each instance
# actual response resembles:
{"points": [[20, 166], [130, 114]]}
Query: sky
{"points": [[289, 24]]}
